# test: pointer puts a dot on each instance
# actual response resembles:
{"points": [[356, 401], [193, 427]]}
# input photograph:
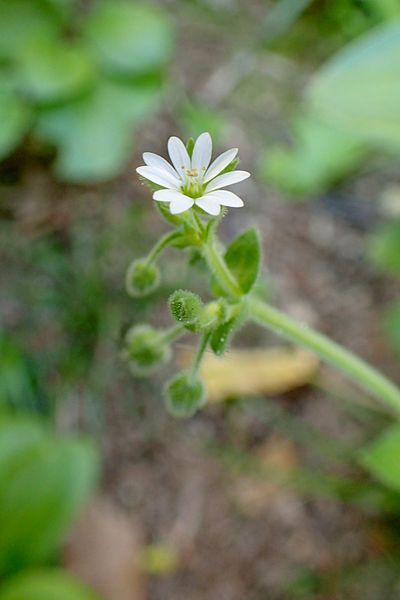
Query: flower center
{"points": [[193, 187]]}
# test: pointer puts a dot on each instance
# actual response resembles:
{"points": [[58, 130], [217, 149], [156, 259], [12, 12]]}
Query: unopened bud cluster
{"points": [[142, 278], [145, 349]]}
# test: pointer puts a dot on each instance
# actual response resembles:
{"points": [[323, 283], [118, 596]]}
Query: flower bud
{"points": [[185, 306], [145, 349], [184, 395], [141, 278]]}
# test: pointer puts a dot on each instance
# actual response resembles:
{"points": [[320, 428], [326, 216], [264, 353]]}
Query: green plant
{"points": [[190, 197], [80, 82]]}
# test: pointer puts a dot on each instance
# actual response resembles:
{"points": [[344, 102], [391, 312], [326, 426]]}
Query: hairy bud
{"points": [[185, 306], [145, 349], [184, 395], [141, 278]]}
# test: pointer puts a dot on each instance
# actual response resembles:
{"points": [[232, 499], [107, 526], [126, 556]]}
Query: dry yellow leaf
{"points": [[251, 372]]}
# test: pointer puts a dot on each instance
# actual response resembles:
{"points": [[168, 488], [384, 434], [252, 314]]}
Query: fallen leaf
{"points": [[252, 372]]}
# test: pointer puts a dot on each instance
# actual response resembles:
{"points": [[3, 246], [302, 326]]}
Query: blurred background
{"points": [[290, 490]]}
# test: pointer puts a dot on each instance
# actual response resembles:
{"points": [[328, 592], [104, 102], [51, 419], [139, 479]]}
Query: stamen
{"points": [[192, 172]]}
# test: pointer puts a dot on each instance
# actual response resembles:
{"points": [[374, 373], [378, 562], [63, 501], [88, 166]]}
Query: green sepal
{"points": [[190, 146], [165, 213], [243, 258], [232, 166]]}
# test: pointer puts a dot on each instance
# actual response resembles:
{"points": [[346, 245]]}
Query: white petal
{"points": [[168, 195], [159, 177], [219, 164], [209, 205], [226, 198], [202, 153], [179, 156], [154, 160], [227, 179], [179, 205]]}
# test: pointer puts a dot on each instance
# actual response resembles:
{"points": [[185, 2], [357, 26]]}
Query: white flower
{"points": [[193, 180]]}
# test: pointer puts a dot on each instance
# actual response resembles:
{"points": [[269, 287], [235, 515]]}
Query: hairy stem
{"points": [[357, 369], [160, 245], [218, 266]]}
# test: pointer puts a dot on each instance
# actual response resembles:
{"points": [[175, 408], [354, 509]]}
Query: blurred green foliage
{"points": [[352, 110], [80, 82], [49, 584], [45, 482]]}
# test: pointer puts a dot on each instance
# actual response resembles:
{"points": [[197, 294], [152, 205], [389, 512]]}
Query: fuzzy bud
{"points": [[141, 278], [145, 349], [184, 395], [185, 306]]}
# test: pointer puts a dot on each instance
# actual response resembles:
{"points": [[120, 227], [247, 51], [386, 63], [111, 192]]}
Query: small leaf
{"points": [[129, 37], [49, 584], [384, 247], [382, 458], [50, 70], [222, 335], [15, 116], [243, 258]]}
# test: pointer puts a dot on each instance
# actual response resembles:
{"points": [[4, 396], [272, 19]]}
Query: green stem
{"points": [[218, 266], [366, 376], [173, 333], [199, 354], [159, 247]]}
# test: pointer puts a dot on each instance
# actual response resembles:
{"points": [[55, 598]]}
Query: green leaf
{"points": [[243, 258], [382, 458], [321, 155], [384, 247], [222, 335], [359, 89], [44, 484], [15, 117], [51, 70], [129, 37], [391, 325], [94, 135], [22, 22], [49, 584]]}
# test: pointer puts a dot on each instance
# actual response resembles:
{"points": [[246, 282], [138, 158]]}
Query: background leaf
{"points": [[94, 134], [384, 247], [359, 89], [129, 37], [44, 485], [51, 584], [15, 116], [22, 22], [382, 458], [50, 70], [322, 155]]}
